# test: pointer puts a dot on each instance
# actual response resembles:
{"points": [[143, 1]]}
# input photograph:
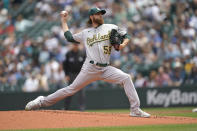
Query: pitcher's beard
{"points": [[98, 21]]}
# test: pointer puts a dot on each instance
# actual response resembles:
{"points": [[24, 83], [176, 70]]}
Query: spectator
{"points": [[58, 77], [22, 23], [193, 20], [31, 84], [44, 55], [178, 75], [140, 81], [156, 13], [51, 43], [43, 80], [162, 78], [151, 82], [51, 66], [3, 15], [193, 76]]}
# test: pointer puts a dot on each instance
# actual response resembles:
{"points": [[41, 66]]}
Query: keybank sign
{"points": [[174, 97]]}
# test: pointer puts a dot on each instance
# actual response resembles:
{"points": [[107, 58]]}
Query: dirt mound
{"points": [[68, 119]]}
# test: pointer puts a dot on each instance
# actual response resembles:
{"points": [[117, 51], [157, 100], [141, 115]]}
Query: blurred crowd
{"points": [[162, 51]]}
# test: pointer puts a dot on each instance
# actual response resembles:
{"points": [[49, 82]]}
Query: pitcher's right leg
{"points": [[81, 81]]}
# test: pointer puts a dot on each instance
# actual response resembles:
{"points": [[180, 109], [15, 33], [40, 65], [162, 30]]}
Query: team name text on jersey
{"points": [[97, 38]]}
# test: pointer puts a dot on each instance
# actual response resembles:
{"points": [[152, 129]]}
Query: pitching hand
{"points": [[64, 16]]}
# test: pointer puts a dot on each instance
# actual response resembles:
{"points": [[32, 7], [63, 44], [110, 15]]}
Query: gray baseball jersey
{"points": [[96, 40], [95, 67]]}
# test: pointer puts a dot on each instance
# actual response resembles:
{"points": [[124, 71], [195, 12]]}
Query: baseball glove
{"points": [[116, 39]]}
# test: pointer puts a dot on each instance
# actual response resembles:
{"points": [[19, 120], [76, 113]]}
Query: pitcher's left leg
{"points": [[131, 92], [114, 75]]}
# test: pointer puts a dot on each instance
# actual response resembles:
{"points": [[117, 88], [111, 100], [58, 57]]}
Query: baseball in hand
{"points": [[64, 13]]}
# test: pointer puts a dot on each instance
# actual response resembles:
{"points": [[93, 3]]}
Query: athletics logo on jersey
{"points": [[97, 38]]}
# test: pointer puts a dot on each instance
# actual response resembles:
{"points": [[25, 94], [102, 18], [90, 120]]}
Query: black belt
{"points": [[99, 64]]}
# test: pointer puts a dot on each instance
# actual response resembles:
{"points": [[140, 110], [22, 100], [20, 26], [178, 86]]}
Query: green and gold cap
{"points": [[95, 10]]}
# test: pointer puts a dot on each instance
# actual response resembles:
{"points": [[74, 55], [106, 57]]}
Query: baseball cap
{"points": [[95, 10]]}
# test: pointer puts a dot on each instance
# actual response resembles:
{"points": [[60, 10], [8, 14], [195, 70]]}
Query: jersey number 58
{"points": [[107, 49]]}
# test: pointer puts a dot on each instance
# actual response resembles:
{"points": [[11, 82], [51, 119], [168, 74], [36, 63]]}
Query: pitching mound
{"points": [[69, 119]]}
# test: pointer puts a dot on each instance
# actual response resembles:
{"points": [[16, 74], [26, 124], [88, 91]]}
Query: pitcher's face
{"points": [[98, 18]]}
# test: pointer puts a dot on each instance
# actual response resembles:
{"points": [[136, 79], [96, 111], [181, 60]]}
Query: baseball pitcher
{"points": [[99, 43]]}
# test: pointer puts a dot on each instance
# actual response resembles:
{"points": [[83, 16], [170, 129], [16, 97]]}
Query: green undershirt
{"points": [[68, 35]]}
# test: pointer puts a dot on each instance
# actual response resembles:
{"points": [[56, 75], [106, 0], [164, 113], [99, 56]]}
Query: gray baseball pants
{"points": [[90, 73]]}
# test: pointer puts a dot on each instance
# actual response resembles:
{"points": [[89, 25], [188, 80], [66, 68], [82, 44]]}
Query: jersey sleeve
{"points": [[78, 36], [122, 31]]}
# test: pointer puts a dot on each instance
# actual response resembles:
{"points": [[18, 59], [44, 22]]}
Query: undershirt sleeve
{"points": [[68, 35]]}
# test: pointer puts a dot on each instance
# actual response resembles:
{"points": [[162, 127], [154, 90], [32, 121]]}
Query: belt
{"points": [[99, 64]]}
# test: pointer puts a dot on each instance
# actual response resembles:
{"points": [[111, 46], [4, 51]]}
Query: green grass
{"points": [[172, 111], [147, 109], [183, 127]]}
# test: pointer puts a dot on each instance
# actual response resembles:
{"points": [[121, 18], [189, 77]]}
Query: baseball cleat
{"points": [[194, 110], [34, 104], [139, 113]]}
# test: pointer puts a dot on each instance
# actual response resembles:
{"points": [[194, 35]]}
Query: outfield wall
{"points": [[111, 98]]}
